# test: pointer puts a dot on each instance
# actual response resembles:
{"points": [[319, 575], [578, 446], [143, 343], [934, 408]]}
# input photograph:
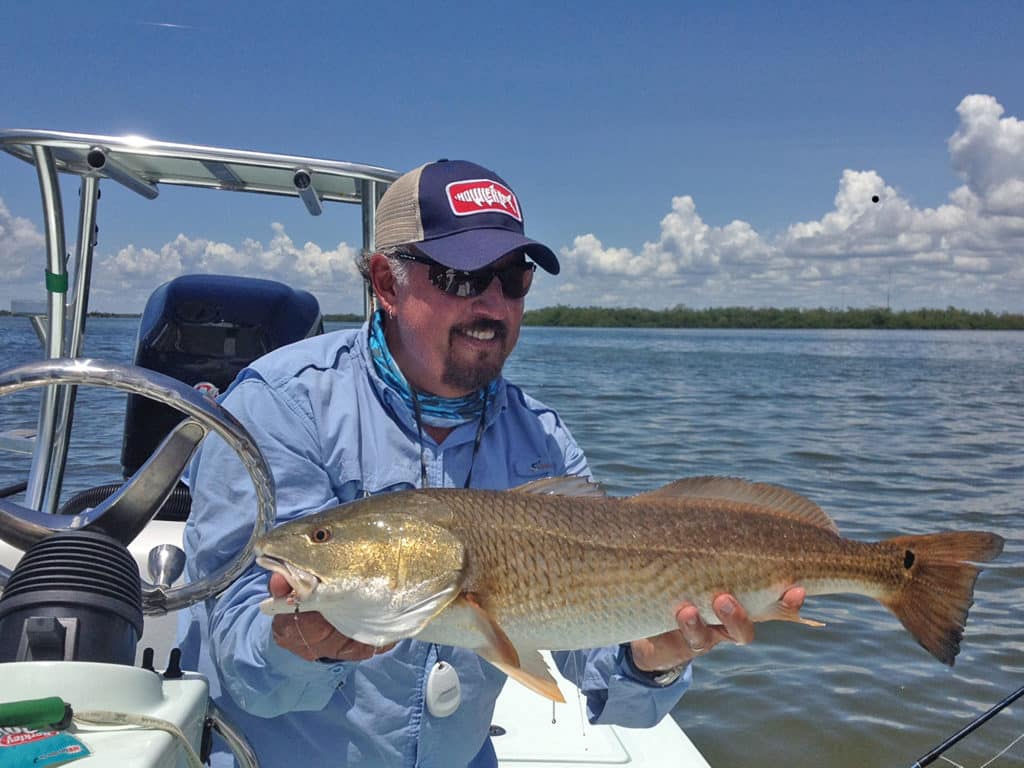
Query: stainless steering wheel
{"points": [[129, 509]]}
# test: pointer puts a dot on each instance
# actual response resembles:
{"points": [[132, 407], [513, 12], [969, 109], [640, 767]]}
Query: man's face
{"points": [[450, 346]]}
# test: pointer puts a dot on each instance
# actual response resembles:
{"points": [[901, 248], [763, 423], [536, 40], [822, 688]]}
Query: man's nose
{"points": [[492, 300]]}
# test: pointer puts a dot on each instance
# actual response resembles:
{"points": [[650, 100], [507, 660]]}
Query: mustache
{"points": [[500, 329]]}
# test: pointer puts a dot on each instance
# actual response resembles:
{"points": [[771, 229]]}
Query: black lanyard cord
{"points": [[476, 441]]}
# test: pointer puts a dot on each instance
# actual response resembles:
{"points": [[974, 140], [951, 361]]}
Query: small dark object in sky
{"points": [[874, 198]]}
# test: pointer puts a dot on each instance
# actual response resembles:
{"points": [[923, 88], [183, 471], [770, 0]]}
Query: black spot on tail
{"points": [[908, 559]]}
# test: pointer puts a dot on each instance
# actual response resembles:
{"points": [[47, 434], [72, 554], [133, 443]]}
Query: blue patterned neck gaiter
{"points": [[434, 410]]}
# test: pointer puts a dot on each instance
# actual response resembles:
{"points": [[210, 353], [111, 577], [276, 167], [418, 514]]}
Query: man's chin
{"points": [[472, 375]]}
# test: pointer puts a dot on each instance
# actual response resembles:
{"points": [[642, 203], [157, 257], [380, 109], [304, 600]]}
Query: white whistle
{"points": [[444, 692]]}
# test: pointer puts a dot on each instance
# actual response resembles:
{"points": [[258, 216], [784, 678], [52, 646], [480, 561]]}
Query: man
{"points": [[413, 398]]}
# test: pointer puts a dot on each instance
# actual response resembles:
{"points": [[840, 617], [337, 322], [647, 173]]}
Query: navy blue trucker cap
{"points": [[458, 213]]}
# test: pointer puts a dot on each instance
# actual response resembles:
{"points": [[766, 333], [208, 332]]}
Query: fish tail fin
{"points": [[938, 586]]}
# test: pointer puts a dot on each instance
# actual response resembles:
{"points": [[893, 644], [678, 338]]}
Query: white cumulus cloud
{"points": [[686, 246], [121, 281], [988, 152], [329, 274], [19, 240]]}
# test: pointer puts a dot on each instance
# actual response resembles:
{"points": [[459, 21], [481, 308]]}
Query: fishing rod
{"points": [[968, 729]]}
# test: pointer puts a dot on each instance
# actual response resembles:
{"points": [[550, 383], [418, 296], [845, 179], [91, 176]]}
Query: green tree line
{"points": [[950, 318]]}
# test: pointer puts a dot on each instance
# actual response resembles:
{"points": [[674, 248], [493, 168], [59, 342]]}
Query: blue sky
{"points": [[671, 153]]}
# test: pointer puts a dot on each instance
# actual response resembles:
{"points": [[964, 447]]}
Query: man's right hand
{"points": [[311, 636]]}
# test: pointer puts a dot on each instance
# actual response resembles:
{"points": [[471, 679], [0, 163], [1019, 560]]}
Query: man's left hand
{"points": [[695, 638]]}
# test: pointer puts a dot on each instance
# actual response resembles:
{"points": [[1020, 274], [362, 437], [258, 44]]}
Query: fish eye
{"points": [[320, 535]]}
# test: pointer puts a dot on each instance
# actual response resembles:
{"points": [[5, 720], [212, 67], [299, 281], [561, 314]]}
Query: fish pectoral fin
{"points": [[528, 667], [779, 611], [494, 644]]}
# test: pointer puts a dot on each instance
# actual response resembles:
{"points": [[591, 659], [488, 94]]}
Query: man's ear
{"points": [[383, 281]]}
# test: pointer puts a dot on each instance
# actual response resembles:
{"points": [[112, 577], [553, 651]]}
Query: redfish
{"points": [[557, 565]]}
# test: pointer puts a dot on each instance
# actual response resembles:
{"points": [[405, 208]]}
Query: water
{"points": [[888, 431]]}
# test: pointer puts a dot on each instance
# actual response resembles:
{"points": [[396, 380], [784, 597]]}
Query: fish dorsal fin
{"points": [[566, 485], [771, 499], [527, 667]]}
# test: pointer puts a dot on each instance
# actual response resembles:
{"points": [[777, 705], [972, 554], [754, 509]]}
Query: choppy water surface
{"points": [[890, 432]]}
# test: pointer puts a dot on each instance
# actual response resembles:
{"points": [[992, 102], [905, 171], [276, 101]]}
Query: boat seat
{"points": [[202, 330]]}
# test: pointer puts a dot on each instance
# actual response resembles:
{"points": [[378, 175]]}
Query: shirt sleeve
{"points": [[615, 694], [570, 457], [263, 678], [575, 460]]}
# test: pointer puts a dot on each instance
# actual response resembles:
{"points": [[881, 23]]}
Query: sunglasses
{"points": [[515, 279]]}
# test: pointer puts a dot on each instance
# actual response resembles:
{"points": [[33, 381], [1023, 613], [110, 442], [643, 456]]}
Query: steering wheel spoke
{"points": [[129, 509], [23, 527]]}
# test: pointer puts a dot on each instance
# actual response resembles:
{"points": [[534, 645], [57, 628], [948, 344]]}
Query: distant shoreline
{"points": [[870, 318]]}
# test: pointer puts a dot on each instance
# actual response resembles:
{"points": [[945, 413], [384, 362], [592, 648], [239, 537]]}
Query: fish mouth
{"points": [[302, 582]]}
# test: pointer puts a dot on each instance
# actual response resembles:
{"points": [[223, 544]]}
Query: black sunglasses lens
{"points": [[444, 279], [515, 280], [456, 282]]}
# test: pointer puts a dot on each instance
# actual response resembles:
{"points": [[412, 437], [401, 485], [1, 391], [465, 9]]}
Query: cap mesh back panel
{"points": [[398, 214]]}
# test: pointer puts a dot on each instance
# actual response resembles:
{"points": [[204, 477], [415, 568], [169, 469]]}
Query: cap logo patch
{"points": [[482, 196]]}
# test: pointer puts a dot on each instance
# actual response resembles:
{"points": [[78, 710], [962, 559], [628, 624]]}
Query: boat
{"points": [[127, 700]]}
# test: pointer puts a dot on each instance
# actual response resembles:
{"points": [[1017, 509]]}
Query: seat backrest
{"points": [[203, 330]]}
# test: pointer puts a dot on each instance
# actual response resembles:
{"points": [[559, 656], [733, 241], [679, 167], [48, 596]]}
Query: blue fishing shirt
{"points": [[333, 431]]}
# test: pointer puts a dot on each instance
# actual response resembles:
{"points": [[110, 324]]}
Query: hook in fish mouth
{"points": [[302, 582]]}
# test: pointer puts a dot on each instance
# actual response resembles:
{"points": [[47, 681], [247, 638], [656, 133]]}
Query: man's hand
{"points": [[695, 638], [310, 635]]}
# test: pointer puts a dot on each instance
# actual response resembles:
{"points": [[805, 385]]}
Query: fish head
{"points": [[378, 577]]}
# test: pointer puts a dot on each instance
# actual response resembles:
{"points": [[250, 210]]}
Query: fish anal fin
{"points": [[527, 668], [759, 497], [566, 485], [779, 611]]}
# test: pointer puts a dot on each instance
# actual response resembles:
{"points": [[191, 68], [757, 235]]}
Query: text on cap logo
{"points": [[482, 196]]}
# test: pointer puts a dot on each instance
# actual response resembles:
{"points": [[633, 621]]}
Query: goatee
{"points": [[469, 375]]}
